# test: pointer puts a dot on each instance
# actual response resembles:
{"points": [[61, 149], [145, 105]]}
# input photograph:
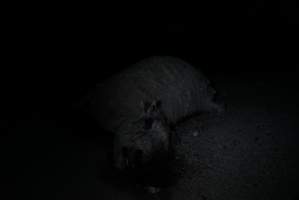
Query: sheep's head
{"points": [[143, 140]]}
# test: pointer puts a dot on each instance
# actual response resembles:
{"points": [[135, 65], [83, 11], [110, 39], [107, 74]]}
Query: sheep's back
{"points": [[182, 89]]}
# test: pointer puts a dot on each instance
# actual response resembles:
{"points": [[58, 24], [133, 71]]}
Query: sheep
{"points": [[141, 103]]}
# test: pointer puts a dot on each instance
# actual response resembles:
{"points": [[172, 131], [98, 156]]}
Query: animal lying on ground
{"points": [[141, 103]]}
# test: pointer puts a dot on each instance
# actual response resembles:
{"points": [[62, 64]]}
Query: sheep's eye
{"points": [[148, 123]]}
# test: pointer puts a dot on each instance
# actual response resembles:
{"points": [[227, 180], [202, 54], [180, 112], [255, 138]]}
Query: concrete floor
{"points": [[248, 152]]}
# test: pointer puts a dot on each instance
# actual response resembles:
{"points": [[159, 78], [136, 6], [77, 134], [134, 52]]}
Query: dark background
{"points": [[54, 53], [60, 49]]}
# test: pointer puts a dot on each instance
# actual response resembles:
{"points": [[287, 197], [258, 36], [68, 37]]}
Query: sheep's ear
{"points": [[150, 108], [155, 105], [145, 106]]}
